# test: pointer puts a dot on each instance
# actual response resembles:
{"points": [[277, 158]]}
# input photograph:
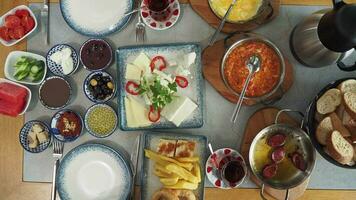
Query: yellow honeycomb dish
{"points": [[242, 11]]}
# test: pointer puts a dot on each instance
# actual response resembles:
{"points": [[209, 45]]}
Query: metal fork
{"points": [[44, 21], [57, 154], [140, 30]]}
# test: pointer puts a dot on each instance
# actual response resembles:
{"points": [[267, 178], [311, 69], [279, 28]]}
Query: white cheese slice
{"points": [[179, 110], [143, 61], [133, 72], [190, 59], [136, 113]]}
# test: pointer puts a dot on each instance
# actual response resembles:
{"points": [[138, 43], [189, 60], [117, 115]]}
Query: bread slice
{"points": [[185, 148], [328, 103], [339, 148], [324, 129], [347, 86], [337, 125], [349, 123], [349, 100], [167, 147]]}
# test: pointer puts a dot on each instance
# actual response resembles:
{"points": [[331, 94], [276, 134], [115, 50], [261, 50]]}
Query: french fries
{"points": [[176, 173], [182, 173], [183, 185], [196, 171], [162, 160], [169, 181], [188, 159]]}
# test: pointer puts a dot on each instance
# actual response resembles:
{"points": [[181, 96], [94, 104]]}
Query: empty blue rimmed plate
{"points": [[94, 171], [96, 18], [24, 133]]}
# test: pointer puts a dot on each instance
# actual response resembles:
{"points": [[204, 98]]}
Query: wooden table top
{"points": [[11, 154]]}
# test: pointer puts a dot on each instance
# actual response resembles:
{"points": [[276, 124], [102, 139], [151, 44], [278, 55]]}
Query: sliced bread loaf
{"points": [[328, 103], [324, 129], [337, 125], [347, 86], [349, 100], [339, 148], [349, 122]]}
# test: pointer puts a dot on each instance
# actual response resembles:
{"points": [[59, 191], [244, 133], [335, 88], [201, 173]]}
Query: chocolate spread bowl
{"points": [[96, 54], [287, 175], [55, 92]]}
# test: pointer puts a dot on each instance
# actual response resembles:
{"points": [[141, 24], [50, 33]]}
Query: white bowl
{"points": [[11, 59], [28, 100], [12, 11]]}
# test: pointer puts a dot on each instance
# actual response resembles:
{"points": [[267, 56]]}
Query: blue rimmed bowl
{"points": [[96, 18], [43, 101], [94, 171], [55, 131], [56, 68], [86, 120], [98, 44], [87, 91], [25, 130]]}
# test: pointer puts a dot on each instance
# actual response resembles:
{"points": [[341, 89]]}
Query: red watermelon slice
{"points": [[12, 99], [12, 93]]}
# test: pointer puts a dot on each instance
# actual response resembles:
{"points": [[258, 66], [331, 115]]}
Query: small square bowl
{"points": [[29, 93], [12, 11], [11, 59]]}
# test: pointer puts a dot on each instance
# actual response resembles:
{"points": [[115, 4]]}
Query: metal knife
{"points": [[45, 21], [134, 161], [212, 40]]}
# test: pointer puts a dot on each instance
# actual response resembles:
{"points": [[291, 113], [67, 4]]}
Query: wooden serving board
{"points": [[203, 9], [259, 120], [212, 57]]}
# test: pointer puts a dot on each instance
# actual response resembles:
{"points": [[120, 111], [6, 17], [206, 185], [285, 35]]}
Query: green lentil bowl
{"points": [[100, 120]]}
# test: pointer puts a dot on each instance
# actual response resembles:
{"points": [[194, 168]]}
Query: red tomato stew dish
{"points": [[264, 80]]}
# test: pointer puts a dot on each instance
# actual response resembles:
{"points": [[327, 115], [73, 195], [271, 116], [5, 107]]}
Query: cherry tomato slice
{"points": [[158, 62], [154, 115], [12, 21], [28, 23], [4, 33], [19, 32], [132, 88], [22, 12], [181, 81]]}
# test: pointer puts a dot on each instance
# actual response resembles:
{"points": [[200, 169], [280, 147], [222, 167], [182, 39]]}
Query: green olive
{"points": [[110, 85], [93, 82]]}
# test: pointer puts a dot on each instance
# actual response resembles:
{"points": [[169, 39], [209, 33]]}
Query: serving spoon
{"points": [[253, 65]]}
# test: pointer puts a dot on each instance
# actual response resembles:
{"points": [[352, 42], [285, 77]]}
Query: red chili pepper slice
{"points": [[181, 81], [154, 115], [158, 62], [132, 88]]}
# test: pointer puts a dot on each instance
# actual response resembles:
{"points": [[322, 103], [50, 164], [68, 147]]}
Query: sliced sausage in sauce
{"points": [[277, 140]]}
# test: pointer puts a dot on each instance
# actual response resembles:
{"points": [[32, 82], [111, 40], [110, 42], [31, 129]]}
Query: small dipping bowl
{"points": [[89, 90], [230, 173], [96, 54], [55, 92], [68, 115], [57, 69], [103, 120], [25, 130]]}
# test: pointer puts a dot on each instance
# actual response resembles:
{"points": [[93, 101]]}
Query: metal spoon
{"points": [[221, 25], [134, 11], [253, 65], [214, 159]]}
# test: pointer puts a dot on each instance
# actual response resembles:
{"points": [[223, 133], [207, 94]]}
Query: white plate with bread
{"points": [[331, 122]]}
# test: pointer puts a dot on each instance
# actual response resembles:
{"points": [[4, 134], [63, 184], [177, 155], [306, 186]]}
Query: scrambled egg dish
{"points": [[242, 11]]}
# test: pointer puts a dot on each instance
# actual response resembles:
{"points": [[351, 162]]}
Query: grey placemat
{"points": [[191, 28]]}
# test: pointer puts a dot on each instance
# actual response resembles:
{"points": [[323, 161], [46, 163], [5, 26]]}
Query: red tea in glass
{"points": [[159, 9], [157, 5]]}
